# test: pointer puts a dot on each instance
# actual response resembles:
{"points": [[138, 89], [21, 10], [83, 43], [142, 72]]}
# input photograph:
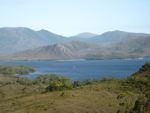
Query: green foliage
{"points": [[54, 82], [24, 81], [140, 82], [45, 79], [145, 67], [23, 70], [6, 70], [124, 94], [59, 83], [126, 101], [15, 70]]}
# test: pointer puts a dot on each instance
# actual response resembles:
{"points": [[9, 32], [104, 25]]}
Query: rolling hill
{"points": [[71, 50], [133, 48]]}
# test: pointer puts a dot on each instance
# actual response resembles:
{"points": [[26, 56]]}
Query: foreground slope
{"points": [[28, 99], [130, 95]]}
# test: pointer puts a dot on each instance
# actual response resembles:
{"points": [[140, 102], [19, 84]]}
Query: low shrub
{"points": [[24, 81], [54, 82], [59, 83]]}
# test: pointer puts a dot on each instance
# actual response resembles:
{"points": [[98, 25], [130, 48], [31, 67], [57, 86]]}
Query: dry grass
{"points": [[95, 98]]}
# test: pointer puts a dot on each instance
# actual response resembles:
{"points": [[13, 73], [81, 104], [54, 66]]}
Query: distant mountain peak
{"points": [[15, 28], [43, 30], [115, 31], [86, 35], [46, 32]]}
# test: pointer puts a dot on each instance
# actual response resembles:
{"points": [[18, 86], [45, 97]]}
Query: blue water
{"points": [[84, 69]]}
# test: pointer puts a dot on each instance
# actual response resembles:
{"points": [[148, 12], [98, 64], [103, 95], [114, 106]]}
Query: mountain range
{"points": [[18, 39], [26, 44]]}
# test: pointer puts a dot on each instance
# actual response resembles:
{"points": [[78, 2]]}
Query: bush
{"points": [[54, 82], [24, 81], [45, 79], [77, 84], [59, 83]]}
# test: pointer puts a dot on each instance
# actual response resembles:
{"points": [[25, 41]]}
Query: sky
{"points": [[70, 17]]}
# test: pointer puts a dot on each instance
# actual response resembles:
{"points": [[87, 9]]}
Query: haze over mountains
{"points": [[84, 35], [18, 39], [24, 43]]}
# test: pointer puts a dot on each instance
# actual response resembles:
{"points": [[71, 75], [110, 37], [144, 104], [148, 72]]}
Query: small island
{"points": [[13, 70]]}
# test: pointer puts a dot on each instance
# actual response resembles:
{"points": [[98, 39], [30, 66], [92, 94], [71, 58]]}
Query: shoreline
{"points": [[130, 58]]}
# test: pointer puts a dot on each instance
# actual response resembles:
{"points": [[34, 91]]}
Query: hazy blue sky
{"points": [[69, 17]]}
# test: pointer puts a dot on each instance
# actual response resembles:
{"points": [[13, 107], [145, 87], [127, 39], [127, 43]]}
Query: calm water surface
{"points": [[84, 69]]}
